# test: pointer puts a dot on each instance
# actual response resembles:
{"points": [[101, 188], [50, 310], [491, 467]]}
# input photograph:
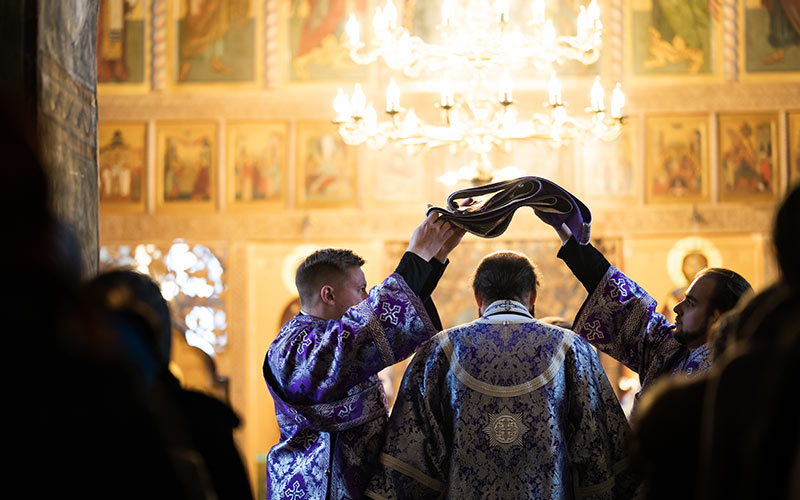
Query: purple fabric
{"points": [[329, 402], [505, 407], [493, 206], [620, 319]]}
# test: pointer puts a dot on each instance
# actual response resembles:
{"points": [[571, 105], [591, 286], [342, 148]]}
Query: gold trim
{"points": [[372, 494], [408, 470], [499, 390]]}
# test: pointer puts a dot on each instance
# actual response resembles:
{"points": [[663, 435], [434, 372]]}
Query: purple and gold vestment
{"points": [[330, 405], [620, 319], [505, 407]]}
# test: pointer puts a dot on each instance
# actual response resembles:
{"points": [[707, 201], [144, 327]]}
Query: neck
{"points": [[318, 312]]}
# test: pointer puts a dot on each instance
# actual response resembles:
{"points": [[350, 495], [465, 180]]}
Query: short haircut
{"points": [[321, 268], [504, 275], [729, 287], [786, 238], [137, 294]]}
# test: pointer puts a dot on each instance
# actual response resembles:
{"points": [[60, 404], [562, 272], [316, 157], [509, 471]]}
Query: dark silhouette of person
{"points": [[734, 431], [197, 428]]}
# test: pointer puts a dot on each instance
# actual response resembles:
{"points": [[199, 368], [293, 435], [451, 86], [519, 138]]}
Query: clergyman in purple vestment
{"points": [[619, 317], [322, 368], [505, 407]]}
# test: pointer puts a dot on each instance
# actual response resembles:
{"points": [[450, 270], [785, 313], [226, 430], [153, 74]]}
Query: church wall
{"points": [[381, 205]]}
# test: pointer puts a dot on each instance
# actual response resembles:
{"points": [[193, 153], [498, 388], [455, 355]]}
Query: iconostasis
{"points": [[220, 166]]}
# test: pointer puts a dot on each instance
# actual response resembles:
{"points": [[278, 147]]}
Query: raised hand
{"points": [[450, 244], [430, 236]]}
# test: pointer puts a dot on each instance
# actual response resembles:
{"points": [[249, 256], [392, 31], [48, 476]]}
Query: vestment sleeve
{"points": [[414, 461], [619, 318], [314, 361], [585, 262], [597, 433], [421, 276]]}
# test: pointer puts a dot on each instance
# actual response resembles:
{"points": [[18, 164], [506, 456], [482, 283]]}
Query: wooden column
{"points": [[49, 62]]}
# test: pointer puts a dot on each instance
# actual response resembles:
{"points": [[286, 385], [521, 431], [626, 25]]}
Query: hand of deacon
{"points": [[434, 237]]}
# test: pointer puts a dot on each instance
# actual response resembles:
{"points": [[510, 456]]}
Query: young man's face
{"points": [[694, 314], [351, 290]]}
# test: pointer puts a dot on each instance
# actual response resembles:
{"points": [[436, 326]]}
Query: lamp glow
{"points": [[392, 97], [352, 28]]}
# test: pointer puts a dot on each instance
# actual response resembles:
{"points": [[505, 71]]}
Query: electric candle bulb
{"points": [[554, 90], [584, 23], [341, 105], [593, 10], [505, 88], [392, 96], [378, 22], [617, 101], [549, 33], [358, 101], [538, 8], [352, 30], [390, 13], [597, 95], [448, 12], [502, 11], [447, 99]]}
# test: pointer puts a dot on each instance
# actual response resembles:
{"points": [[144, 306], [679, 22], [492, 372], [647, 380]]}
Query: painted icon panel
{"points": [[677, 159], [326, 167], [748, 157], [257, 163], [122, 45], [186, 161], [122, 160]]}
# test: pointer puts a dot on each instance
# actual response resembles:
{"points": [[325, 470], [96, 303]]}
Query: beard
{"points": [[686, 337]]}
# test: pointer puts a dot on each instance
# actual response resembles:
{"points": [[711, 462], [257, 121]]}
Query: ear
{"points": [[532, 299], [713, 318], [478, 299], [327, 296]]}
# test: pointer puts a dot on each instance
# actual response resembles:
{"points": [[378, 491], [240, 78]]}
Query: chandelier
{"points": [[478, 48]]}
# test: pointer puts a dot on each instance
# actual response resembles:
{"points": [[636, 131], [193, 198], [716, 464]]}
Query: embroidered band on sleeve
{"points": [[376, 332]]}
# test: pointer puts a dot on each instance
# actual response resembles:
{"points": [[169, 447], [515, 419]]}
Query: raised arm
{"points": [[618, 317], [317, 361]]}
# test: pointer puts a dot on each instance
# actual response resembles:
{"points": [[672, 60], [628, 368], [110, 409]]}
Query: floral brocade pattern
{"points": [[453, 433], [329, 402], [620, 319]]}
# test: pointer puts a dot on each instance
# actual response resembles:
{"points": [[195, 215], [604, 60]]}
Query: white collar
{"points": [[506, 310]]}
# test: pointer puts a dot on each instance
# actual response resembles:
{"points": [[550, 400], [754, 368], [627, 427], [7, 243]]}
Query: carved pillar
{"points": [[67, 114], [49, 66]]}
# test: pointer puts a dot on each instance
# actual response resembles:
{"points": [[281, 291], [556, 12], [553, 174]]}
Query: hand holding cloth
{"points": [[493, 205]]}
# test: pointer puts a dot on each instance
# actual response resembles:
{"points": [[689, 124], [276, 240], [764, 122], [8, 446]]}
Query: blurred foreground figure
{"points": [[79, 383], [196, 429], [505, 407], [733, 432]]}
